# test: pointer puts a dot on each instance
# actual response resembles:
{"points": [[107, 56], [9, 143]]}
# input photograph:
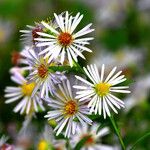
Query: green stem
{"points": [[139, 140], [117, 132]]}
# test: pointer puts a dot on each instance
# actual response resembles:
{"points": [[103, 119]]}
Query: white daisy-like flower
{"points": [[23, 93], [64, 42], [66, 108], [31, 33], [40, 74], [100, 90], [94, 136]]}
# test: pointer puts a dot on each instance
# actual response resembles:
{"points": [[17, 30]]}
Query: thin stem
{"points": [[117, 132], [139, 140]]}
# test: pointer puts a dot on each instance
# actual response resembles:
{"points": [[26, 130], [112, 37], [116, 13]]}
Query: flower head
{"points": [[93, 135], [100, 90], [64, 42], [66, 108], [41, 75], [29, 35], [24, 91]]}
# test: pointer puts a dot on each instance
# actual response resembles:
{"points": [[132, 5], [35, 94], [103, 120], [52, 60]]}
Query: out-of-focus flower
{"points": [[140, 91], [15, 57], [66, 108], [94, 136], [6, 30], [108, 13], [4, 145], [29, 35], [111, 13], [123, 58], [47, 140], [41, 75], [25, 138], [64, 41], [143, 4], [23, 92], [101, 90]]}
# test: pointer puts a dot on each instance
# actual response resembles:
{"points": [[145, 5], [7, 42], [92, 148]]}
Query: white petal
{"points": [[120, 91], [75, 22], [69, 58], [110, 74], [83, 30], [85, 81], [60, 22], [106, 107], [89, 74], [83, 47], [102, 72], [77, 51], [62, 126], [45, 35]]}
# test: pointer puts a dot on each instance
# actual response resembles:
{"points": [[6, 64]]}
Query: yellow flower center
{"points": [[65, 39], [42, 71], [70, 108], [28, 88], [43, 145], [102, 89]]}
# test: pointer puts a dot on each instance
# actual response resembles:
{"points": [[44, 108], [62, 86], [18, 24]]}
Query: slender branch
{"points": [[117, 132]]}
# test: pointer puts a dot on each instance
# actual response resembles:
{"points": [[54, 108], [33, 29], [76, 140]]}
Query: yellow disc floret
{"points": [[65, 39], [27, 89], [42, 71], [70, 108], [43, 145], [102, 89]]}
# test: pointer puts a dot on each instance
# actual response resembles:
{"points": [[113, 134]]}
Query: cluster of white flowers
{"points": [[50, 54]]}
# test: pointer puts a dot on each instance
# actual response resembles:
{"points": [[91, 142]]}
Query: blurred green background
{"points": [[122, 38]]}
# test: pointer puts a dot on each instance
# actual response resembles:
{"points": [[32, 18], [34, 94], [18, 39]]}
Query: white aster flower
{"points": [[94, 136], [100, 90], [64, 42], [23, 92], [41, 75], [31, 33], [66, 108]]}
